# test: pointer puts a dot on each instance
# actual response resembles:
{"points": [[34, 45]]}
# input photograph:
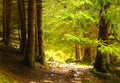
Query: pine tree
{"points": [[102, 59]]}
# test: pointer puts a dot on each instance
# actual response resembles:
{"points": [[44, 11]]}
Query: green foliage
{"points": [[75, 12], [65, 17], [7, 78], [81, 41], [3, 80], [112, 14], [112, 49], [57, 56]]}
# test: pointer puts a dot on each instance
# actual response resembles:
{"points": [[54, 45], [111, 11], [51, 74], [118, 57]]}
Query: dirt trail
{"points": [[57, 72], [10, 66]]}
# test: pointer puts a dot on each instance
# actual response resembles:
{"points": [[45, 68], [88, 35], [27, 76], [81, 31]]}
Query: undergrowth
{"points": [[3, 79]]}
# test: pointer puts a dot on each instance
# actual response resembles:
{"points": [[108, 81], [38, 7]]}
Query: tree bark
{"points": [[21, 10], [78, 52], [41, 57], [87, 54], [102, 59], [29, 59], [7, 8], [36, 43], [4, 21]]}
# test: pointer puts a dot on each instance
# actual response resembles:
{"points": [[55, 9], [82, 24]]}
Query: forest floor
{"points": [[11, 71]]}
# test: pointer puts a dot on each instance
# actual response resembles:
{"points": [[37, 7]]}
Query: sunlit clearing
{"points": [[56, 56]]}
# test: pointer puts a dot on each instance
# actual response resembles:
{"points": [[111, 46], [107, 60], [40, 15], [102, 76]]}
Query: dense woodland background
{"points": [[71, 31]]}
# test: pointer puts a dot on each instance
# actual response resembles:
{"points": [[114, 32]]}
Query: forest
{"points": [[59, 41]]}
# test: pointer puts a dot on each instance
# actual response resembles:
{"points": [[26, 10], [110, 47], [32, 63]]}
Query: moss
{"points": [[3, 79], [7, 79]]}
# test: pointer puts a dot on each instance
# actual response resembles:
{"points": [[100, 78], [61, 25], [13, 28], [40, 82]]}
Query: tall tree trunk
{"points": [[7, 8], [78, 52], [87, 50], [41, 57], [21, 10], [30, 51], [102, 59], [36, 43], [87, 54], [4, 21], [8, 22]]}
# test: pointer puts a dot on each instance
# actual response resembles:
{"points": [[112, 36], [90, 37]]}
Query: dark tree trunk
{"points": [[4, 21], [41, 57], [29, 59], [87, 54], [102, 59], [7, 8], [36, 43], [78, 52], [21, 10]]}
